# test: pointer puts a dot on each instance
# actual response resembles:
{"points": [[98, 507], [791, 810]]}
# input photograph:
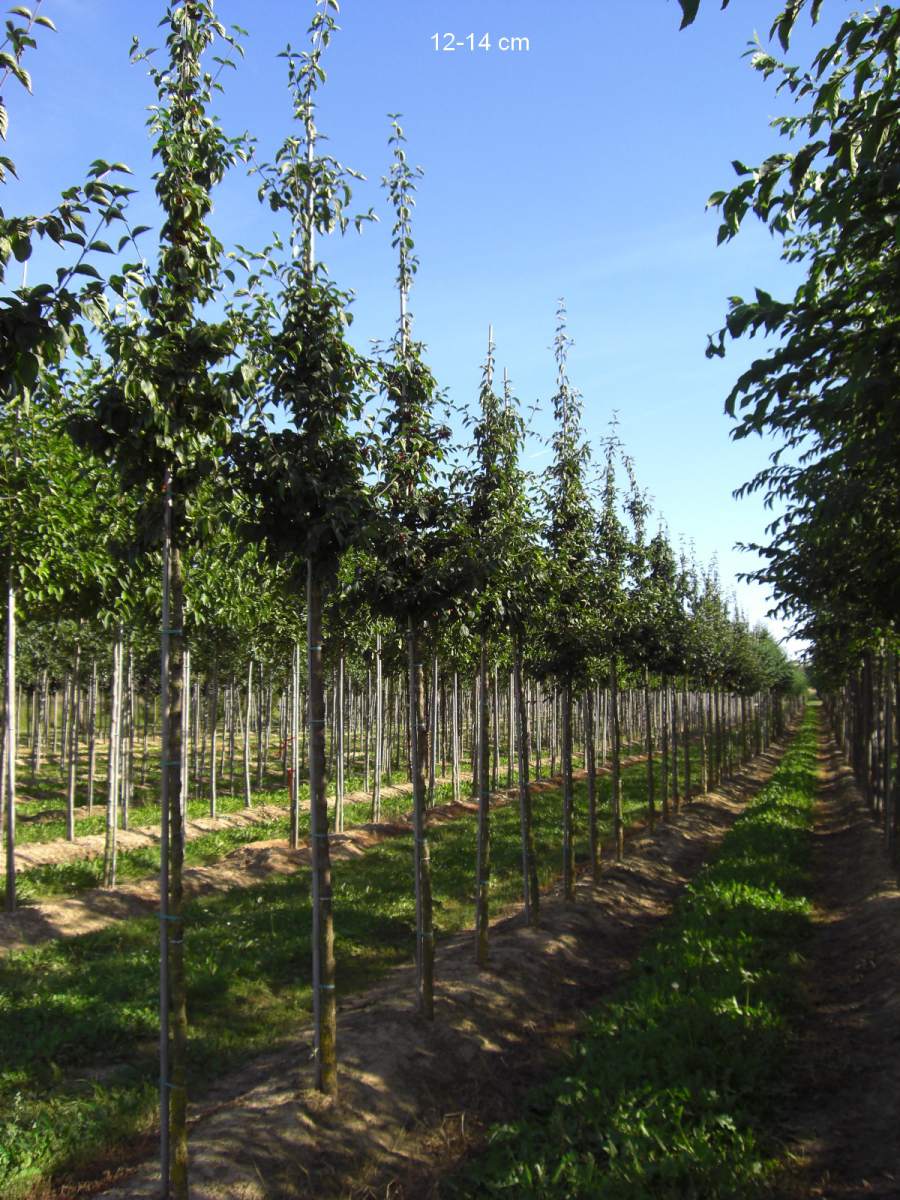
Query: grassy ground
{"points": [[669, 1091], [46, 793], [145, 811], [68, 879], [78, 1019]]}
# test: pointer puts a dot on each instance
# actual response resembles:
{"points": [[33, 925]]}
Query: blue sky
{"points": [[577, 168]]}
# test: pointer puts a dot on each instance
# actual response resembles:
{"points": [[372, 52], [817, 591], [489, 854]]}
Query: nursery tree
{"points": [[609, 599], [307, 478], [569, 612], [162, 413], [38, 326], [638, 619], [57, 505], [661, 631], [497, 524], [420, 564], [524, 577], [829, 383]]}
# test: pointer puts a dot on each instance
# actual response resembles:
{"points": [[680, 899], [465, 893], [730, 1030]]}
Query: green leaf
{"points": [[22, 248], [689, 10]]}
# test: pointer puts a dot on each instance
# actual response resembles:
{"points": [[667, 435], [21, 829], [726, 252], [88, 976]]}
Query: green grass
{"points": [[669, 1091], [78, 1022], [71, 878], [143, 813], [47, 793]]}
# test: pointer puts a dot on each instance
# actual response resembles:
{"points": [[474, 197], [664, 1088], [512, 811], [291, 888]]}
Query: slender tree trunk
{"points": [[511, 732], [324, 1000], [339, 747], [422, 859], [530, 889], [36, 746], [248, 797], [379, 731], [454, 740], [92, 737], [113, 768], [591, 763], [433, 730], [476, 736], [173, 768], [145, 721], [616, 779], [676, 789], [213, 730], [701, 732], [686, 738], [130, 723], [568, 793], [495, 711], [537, 731], [74, 710], [11, 726], [64, 730], [554, 731], [648, 738], [295, 747], [483, 863], [367, 733], [664, 749], [720, 737]]}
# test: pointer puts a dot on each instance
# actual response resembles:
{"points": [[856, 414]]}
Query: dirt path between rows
{"points": [[845, 1125], [96, 908], [415, 1096]]}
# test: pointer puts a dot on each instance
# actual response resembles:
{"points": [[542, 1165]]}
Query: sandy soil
{"points": [[41, 854], [94, 909], [416, 1095], [845, 1118], [38, 854]]}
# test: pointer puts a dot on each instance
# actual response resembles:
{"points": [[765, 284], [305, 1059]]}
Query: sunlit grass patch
{"points": [[668, 1091]]}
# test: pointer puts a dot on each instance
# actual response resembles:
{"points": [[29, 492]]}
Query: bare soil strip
{"points": [[40, 854], [43, 854], [416, 1095], [71, 916], [846, 1115]]}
